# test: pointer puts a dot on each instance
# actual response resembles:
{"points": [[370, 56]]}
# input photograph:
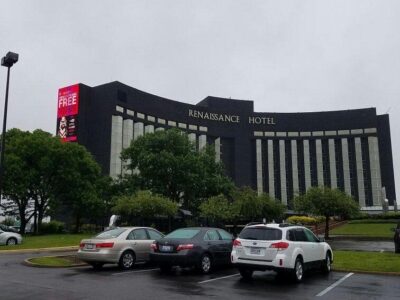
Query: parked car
{"points": [[280, 247], [121, 245], [396, 239], [8, 236], [201, 247]]}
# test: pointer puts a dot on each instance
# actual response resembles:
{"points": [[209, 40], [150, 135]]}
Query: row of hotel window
{"points": [[283, 174]]}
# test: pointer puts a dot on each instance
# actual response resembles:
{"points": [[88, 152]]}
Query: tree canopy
{"points": [[327, 202], [245, 205], [144, 204], [167, 163], [41, 172]]}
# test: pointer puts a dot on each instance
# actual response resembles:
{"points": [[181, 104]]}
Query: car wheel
{"points": [[327, 263], [246, 273], [11, 241], [127, 260], [298, 270], [97, 265], [205, 264]]}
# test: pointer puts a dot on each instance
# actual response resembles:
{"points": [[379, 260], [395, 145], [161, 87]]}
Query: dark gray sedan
{"points": [[201, 247]]}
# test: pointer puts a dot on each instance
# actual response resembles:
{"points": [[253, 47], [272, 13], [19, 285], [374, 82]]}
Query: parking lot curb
{"points": [[28, 263], [40, 250], [367, 272]]}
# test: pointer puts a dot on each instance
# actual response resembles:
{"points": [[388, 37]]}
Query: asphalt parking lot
{"points": [[146, 282]]}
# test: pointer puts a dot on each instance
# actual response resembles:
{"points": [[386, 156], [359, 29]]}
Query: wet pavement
{"points": [[379, 246], [146, 282]]}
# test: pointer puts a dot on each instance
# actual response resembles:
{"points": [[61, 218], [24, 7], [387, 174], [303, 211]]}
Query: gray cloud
{"points": [[287, 56]]}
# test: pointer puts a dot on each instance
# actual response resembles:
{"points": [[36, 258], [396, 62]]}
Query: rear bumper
{"points": [[175, 259], [92, 256], [280, 262]]}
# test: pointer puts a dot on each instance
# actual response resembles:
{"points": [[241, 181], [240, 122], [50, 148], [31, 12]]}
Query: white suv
{"points": [[283, 248]]}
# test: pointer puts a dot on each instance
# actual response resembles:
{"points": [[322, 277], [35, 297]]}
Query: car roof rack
{"points": [[255, 223], [286, 225]]}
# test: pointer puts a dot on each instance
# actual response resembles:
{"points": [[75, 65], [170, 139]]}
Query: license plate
{"points": [[89, 246], [255, 251], [166, 248]]}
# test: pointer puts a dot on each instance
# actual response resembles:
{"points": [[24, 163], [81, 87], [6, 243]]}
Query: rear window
{"points": [[183, 234], [261, 233], [110, 234]]}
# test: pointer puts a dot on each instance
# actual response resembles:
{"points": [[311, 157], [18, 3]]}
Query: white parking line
{"points": [[218, 278], [137, 271], [334, 285]]}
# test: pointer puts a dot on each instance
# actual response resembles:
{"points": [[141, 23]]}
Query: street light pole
{"points": [[7, 61]]}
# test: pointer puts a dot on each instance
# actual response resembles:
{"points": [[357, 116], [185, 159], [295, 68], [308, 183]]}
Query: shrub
{"points": [[388, 216], [52, 227], [90, 228], [304, 220]]}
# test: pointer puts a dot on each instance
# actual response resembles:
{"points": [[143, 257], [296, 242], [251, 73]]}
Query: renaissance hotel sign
{"points": [[230, 118]]}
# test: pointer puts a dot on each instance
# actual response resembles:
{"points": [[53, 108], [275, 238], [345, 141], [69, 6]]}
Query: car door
{"points": [[226, 245], [140, 243], [2, 237], [316, 248], [302, 242], [213, 244]]}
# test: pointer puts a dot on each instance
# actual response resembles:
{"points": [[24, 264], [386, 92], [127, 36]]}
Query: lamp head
{"points": [[10, 59]]}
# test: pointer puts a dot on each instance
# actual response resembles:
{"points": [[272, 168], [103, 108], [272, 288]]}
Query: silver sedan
{"points": [[122, 245], [9, 237]]}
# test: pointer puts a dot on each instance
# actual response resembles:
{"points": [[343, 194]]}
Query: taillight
{"points": [[280, 245], [81, 245], [104, 245], [184, 247], [237, 243], [153, 246]]}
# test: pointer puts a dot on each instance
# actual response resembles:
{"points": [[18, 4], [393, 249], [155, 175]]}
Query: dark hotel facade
{"points": [[282, 154]]}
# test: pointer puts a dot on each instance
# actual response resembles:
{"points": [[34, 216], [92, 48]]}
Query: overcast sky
{"points": [[286, 56]]}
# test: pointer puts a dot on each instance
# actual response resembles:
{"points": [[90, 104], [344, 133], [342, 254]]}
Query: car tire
{"points": [[246, 273], [298, 270], [127, 260], [97, 265], [12, 241], [327, 264], [205, 264]]}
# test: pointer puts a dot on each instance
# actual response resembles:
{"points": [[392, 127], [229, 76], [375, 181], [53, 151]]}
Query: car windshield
{"points": [[109, 234], [261, 233], [183, 234]]}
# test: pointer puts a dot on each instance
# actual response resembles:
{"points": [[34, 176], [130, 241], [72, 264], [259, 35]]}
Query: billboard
{"points": [[67, 113]]}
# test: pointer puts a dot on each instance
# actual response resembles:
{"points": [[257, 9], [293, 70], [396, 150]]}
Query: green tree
{"points": [[217, 208], [249, 206], [78, 183], [18, 176], [271, 210], [167, 163], [144, 204], [323, 201]]}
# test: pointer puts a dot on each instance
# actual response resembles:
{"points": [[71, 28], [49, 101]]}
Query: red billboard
{"points": [[67, 112]]}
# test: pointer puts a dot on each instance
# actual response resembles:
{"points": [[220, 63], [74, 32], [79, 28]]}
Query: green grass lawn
{"points": [[52, 261], [370, 230], [47, 241], [366, 261]]}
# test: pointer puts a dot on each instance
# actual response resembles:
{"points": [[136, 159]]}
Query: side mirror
{"points": [[322, 239]]}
